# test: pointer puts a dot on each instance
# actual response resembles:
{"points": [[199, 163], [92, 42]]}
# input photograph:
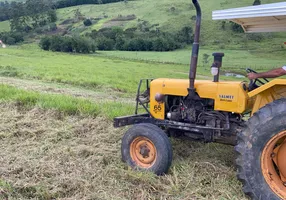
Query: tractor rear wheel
{"points": [[146, 147], [261, 152]]}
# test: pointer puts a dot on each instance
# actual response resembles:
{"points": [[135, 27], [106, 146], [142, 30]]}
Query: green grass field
{"points": [[66, 104], [120, 71], [236, 60], [4, 26], [82, 70]]}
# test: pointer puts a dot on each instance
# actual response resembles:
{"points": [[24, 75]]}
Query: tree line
{"points": [[29, 15], [118, 39], [76, 44], [68, 3], [14, 9], [11, 38]]}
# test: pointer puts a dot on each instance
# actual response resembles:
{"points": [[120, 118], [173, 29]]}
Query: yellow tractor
{"points": [[212, 111]]}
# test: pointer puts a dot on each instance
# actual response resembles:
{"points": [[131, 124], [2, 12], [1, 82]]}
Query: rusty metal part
{"points": [[273, 164], [143, 152], [195, 50], [229, 130]]}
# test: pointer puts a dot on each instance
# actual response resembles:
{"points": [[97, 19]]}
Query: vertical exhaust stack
{"points": [[195, 51]]}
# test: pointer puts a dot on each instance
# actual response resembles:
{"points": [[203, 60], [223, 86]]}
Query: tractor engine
{"points": [[197, 111], [206, 123]]}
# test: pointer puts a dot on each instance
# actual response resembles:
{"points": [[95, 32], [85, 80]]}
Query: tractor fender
{"points": [[265, 94]]}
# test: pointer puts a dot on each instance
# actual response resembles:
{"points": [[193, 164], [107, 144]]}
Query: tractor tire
{"points": [[261, 153], [146, 147]]}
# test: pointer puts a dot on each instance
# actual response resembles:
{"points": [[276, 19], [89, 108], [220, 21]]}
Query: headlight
{"points": [[159, 97]]}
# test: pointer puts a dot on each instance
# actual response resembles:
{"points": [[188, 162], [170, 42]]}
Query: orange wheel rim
{"points": [[143, 152], [273, 164]]}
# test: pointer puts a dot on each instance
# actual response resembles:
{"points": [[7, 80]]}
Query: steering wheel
{"points": [[252, 84]]}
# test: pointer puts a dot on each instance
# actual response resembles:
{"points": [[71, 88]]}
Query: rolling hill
{"points": [[171, 16], [168, 16]]}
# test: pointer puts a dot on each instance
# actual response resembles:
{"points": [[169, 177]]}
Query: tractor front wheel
{"points": [[261, 152], [146, 147]]}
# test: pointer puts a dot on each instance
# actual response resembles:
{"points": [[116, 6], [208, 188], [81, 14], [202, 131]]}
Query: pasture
{"points": [[57, 138]]}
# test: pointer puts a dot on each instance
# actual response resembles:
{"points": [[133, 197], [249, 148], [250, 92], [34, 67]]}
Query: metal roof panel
{"points": [[262, 18]]}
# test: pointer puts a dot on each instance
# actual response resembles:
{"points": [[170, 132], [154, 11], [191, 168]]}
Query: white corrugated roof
{"points": [[262, 18]]}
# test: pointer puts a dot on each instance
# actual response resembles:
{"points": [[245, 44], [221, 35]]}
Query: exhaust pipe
{"points": [[195, 51]]}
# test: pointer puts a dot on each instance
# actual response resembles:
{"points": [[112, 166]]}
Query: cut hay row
{"points": [[47, 155]]}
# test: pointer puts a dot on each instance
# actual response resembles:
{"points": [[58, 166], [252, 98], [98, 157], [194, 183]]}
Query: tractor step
{"points": [[131, 119]]}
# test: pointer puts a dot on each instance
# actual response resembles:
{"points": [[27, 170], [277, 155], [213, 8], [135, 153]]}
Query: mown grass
{"points": [[64, 103], [45, 156]]}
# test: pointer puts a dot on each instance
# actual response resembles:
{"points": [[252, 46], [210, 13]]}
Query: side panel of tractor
{"points": [[227, 96], [268, 93]]}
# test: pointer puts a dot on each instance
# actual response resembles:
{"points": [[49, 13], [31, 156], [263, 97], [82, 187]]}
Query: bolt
{"points": [[144, 151]]}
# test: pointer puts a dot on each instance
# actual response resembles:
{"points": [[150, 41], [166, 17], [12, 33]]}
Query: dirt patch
{"points": [[48, 155], [119, 21], [67, 21], [124, 18], [60, 30]]}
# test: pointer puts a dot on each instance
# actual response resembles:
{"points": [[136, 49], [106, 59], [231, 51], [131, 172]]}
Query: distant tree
{"points": [[53, 27], [17, 21], [119, 43], [32, 14], [185, 35], [11, 38], [45, 43], [104, 43], [52, 15], [87, 22], [37, 11], [256, 2], [173, 9], [67, 44]]}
